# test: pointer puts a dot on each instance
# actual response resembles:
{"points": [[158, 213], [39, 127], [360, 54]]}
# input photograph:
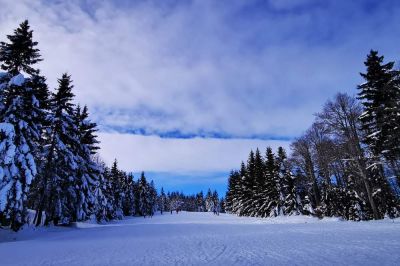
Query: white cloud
{"points": [[151, 153], [204, 66]]}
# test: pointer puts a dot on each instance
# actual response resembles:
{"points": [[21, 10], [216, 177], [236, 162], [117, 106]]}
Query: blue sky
{"points": [[184, 89]]}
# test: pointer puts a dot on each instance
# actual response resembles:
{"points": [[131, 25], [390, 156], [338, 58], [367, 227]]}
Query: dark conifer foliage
{"points": [[177, 201], [48, 151], [20, 54], [380, 96], [274, 193], [345, 163], [21, 123]]}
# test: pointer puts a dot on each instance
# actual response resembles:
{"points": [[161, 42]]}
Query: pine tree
{"points": [[380, 96], [383, 195], [288, 193], [231, 198], [106, 188], [152, 198], [19, 54], [259, 184], [215, 200], [209, 201], [200, 202], [162, 201], [355, 203], [143, 192], [19, 118], [101, 203], [241, 190], [116, 179], [88, 171], [307, 207], [271, 206], [59, 170], [246, 204]]}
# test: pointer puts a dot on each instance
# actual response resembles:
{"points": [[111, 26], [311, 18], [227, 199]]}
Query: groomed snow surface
{"points": [[206, 239]]}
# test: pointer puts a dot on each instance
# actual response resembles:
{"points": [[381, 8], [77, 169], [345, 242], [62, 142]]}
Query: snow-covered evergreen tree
{"points": [[61, 162], [200, 202], [259, 185], [209, 201], [307, 207], [22, 118], [19, 118], [291, 204], [19, 54], [152, 198], [271, 206], [88, 171], [380, 96], [143, 193], [355, 209], [129, 197], [162, 200]]}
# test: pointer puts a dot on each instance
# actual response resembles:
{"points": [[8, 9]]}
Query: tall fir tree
{"points": [[271, 206], [259, 183], [143, 193], [380, 96], [20, 116], [59, 170], [288, 193], [355, 203], [19, 54], [88, 171]]}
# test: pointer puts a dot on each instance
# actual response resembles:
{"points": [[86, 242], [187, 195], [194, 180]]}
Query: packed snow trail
{"points": [[206, 239]]}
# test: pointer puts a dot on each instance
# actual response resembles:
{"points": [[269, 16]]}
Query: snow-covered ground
{"points": [[205, 239]]}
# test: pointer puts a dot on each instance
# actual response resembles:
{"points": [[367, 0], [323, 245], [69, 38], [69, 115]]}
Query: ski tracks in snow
{"points": [[205, 239]]}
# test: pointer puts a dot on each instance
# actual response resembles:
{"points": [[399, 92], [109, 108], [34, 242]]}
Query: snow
{"points": [[17, 80], [205, 239]]}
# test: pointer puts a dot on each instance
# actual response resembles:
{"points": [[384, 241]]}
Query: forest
{"points": [[347, 164]]}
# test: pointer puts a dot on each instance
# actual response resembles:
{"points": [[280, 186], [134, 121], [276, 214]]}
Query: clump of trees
{"points": [[48, 150], [347, 164], [173, 201]]}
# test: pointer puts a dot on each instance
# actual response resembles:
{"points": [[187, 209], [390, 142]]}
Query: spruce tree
{"points": [[380, 96], [59, 170], [241, 190], [152, 198], [215, 199], [162, 201], [288, 193], [88, 171], [19, 54], [271, 206], [231, 198], [200, 202], [116, 179], [259, 183], [19, 118], [355, 203], [209, 201], [247, 207], [143, 193], [307, 206]]}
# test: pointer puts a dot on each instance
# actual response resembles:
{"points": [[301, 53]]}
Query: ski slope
{"points": [[205, 239]]}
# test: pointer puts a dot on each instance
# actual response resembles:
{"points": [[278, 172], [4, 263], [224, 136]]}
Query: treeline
{"points": [[48, 150], [125, 196], [347, 164], [191, 203]]}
